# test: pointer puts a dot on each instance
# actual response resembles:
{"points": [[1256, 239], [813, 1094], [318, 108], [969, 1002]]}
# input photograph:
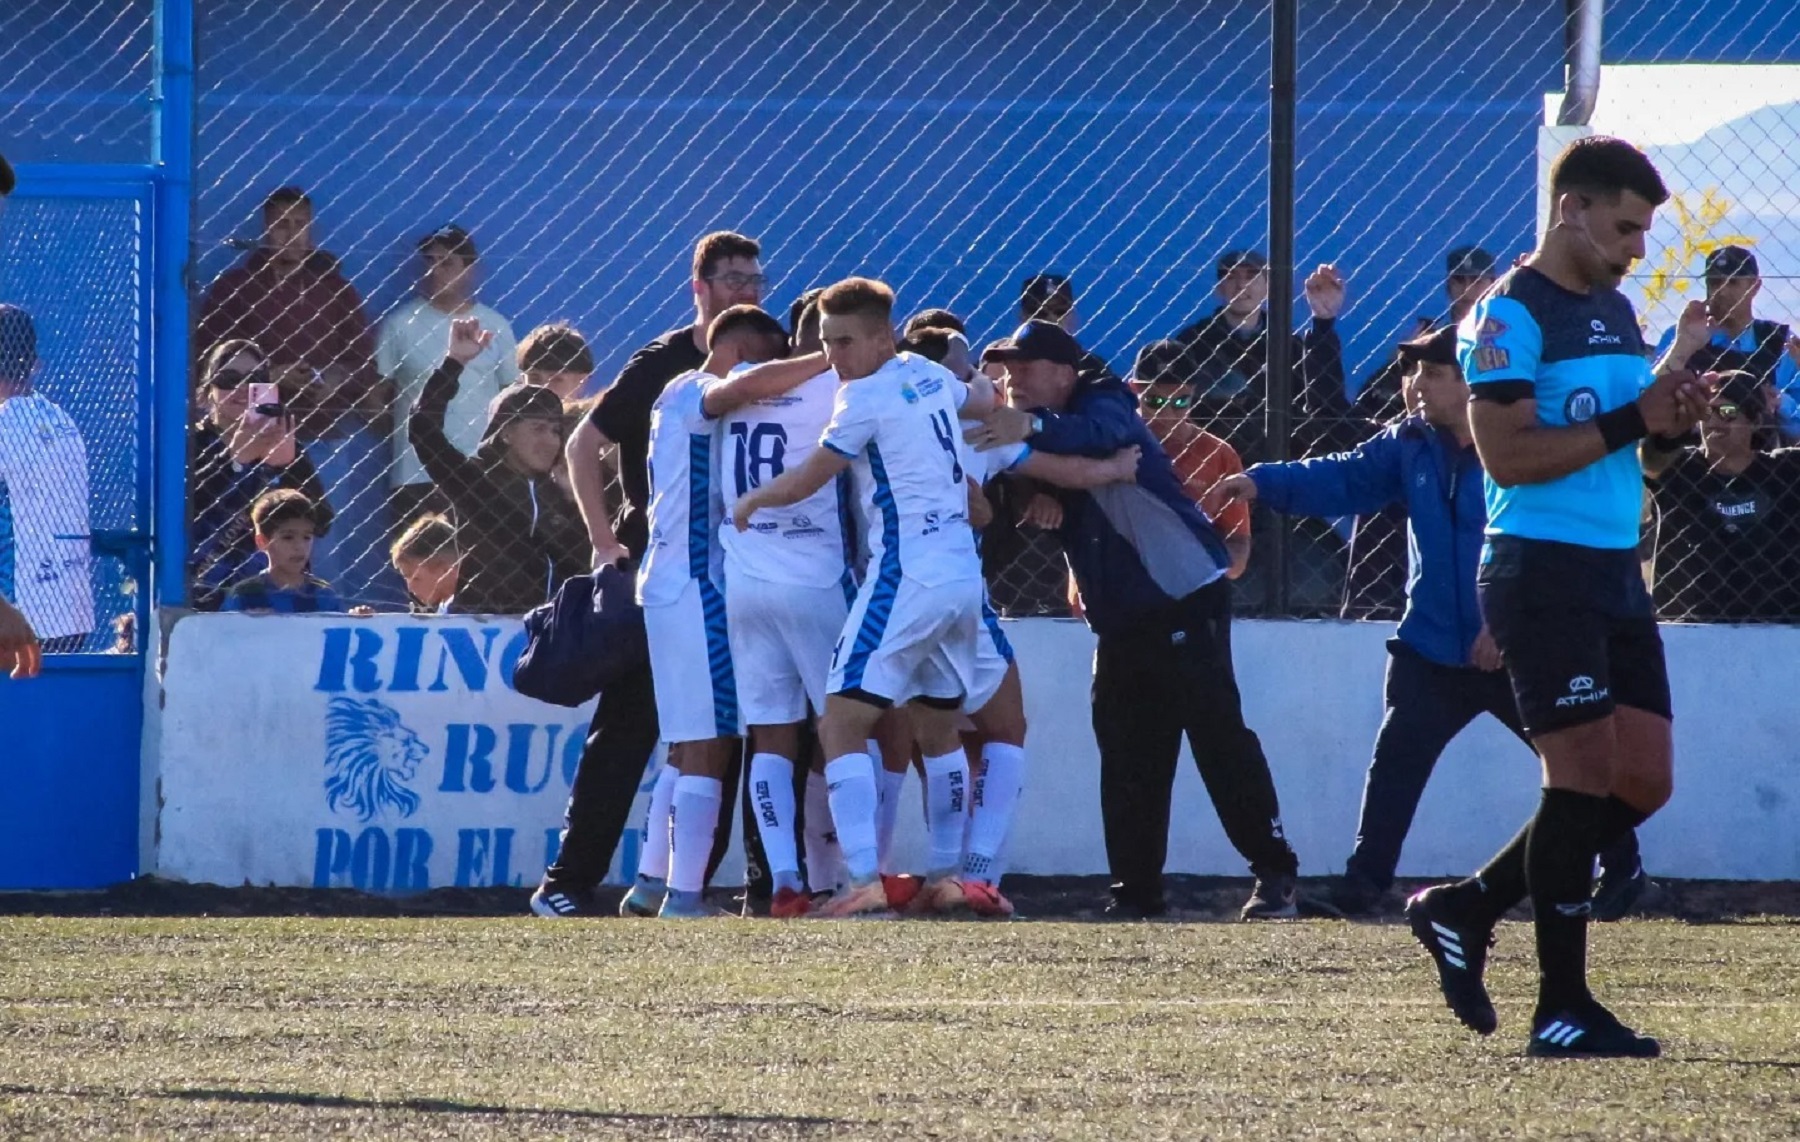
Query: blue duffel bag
{"points": [[583, 640]]}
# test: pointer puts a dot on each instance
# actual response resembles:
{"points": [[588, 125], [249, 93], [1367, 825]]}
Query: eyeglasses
{"points": [[1157, 401], [1727, 411], [232, 378], [736, 280]]}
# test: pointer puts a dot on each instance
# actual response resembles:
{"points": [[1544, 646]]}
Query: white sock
{"points": [[655, 859], [824, 859], [851, 779], [694, 818], [946, 809], [772, 793], [889, 786], [991, 812]]}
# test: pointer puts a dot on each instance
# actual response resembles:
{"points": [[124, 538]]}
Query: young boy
{"points": [[427, 558], [284, 524]]}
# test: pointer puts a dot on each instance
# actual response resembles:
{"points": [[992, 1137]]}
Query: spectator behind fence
{"points": [[520, 536], [558, 358], [1728, 517], [293, 300], [410, 346], [238, 454], [1051, 297], [284, 525], [1151, 569], [45, 558], [430, 563], [1201, 459], [1468, 273], [21, 653], [1723, 334], [933, 318]]}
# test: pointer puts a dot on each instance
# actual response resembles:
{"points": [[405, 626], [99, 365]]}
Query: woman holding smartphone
{"points": [[244, 446]]}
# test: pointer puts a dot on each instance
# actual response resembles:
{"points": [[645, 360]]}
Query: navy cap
{"points": [[7, 179], [1036, 341], [1468, 262], [1435, 348], [1731, 262], [18, 343], [452, 238], [1241, 259]]}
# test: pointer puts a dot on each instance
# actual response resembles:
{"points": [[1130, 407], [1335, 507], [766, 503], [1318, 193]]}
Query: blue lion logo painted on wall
{"points": [[369, 756]]}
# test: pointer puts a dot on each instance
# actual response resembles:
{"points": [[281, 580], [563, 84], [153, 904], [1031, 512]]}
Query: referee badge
{"points": [[1582, 406]]}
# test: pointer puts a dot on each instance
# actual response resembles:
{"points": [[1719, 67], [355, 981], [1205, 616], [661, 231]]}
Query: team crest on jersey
{"points": [[1582, 406], [909, 394]]}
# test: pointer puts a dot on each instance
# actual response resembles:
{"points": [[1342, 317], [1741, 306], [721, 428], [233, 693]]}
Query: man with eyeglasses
{"points": [[727, 271], [1201, 460]]}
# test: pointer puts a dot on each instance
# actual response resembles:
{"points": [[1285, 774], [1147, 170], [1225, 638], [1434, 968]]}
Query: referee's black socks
{"points": [[1492, 892], [1559, 868]]}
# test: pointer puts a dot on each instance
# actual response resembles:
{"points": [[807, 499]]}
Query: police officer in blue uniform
{"points": [[1562, 400]]}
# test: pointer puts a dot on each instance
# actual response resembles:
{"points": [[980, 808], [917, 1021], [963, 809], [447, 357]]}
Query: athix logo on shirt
{"points": [[1582, 692], [1600, 336]]}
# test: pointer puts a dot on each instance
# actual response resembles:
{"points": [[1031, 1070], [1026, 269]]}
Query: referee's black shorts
{"points": [[1576, 629]]}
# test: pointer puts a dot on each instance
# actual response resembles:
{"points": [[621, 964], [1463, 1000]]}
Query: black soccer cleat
{"points": [[1589, 1031], [1460, 951], [1618, 891], [553, 903]]}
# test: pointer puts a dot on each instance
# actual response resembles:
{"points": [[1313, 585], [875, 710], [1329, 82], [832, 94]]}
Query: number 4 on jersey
{"points": [[946, 435]]}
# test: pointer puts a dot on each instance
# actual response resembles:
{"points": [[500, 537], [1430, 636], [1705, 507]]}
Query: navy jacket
{"points": [[1413, 464], [1102, 530]]}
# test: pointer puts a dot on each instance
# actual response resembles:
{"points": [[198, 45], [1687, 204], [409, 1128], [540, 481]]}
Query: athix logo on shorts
{"points": [[1582, 406], [1600, 336], [1582, 692]]}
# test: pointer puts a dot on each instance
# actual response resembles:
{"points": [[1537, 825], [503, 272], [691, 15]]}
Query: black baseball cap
{"points": [[18, 343], [1468, 262], [1744, 390], [520, 401], [1435, 348], [8, 180], [452, 238], [1731, 262], [1036, 341], [1237, 259]]}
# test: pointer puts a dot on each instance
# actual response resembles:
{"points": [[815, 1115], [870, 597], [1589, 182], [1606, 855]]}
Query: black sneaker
{"points": [[1356, 895], [1273, 898], [1618, 891], [1589, 1031], [1460, 951], [1128, 905], [554, 903]]}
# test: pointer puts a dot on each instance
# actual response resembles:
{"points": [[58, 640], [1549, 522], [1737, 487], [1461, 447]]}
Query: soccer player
{"points": [[1562, 401], [910, 637], [680, 586]]}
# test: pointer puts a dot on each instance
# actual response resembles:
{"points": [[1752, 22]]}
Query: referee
{"points": [[1152, 572], [1563, 399]]}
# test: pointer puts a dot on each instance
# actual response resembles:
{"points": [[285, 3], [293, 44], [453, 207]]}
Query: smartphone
{"points": [[264, 404]]}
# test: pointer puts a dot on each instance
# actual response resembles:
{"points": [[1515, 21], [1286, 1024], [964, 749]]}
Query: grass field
{"points": [[452, 1028]]}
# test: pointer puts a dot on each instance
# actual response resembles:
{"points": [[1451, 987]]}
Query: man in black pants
{"points": [[1564, 408], [621, 739], [1151, 569]]}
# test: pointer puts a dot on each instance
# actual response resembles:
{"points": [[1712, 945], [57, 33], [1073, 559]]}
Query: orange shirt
{"points": [[1202, 460]]}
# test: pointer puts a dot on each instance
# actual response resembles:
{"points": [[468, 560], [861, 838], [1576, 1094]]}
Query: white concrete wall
{"points": [[243, 744]]}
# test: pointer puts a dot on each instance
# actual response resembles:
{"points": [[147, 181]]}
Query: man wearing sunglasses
{"points": [[727, 271], [1202, 460]]}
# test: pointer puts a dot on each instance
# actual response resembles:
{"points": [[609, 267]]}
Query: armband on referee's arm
{"points": [[1621, 427]]}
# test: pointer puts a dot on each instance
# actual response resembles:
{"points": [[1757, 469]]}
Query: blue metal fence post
{"points": [[172, 151]]}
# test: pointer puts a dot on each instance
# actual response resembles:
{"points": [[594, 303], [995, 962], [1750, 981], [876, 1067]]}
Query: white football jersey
{"points": [[685, 505], [899, 428], [45, 554], [802, 545]]}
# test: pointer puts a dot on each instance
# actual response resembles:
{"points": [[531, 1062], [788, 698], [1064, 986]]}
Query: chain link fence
{"points": [[554, 164]]}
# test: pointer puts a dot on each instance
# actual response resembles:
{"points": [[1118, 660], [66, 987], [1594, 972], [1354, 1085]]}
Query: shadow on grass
{"points": [[430, 1106]]}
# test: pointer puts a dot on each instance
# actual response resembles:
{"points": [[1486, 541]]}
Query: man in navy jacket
{"points": [[1151, 569], [1443, 667]]}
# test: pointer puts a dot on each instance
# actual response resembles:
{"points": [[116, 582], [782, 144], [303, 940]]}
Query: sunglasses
{"points": [[740, 281], [229, 379], [1157, 401], [1728, 411]]}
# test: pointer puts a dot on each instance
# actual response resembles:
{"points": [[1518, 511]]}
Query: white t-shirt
{"points": [[802, 545], [685, 504], [45, 555], [409, 348], [900, 430]]}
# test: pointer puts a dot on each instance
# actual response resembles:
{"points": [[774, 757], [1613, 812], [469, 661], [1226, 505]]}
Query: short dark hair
{"points": [[555, 348], [1037, 290], [1160, 363], [284, 198], [797, 311], [751, 319], [428, 537], [224, 351], [860, 297], [718, 246], [931, 342], [453, 239], [934, 319], [282, 505], [1602, 166]]}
